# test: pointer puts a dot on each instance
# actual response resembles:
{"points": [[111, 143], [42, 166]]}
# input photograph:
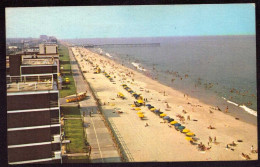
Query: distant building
{"points": [[43, 37], [52, 39], [48, 49], [32, 50]]}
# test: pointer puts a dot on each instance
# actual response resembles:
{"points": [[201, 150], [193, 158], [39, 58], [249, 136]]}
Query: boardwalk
{"points": [[98, 136]]}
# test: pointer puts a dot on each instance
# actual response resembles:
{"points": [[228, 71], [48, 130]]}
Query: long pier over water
{"points": [[122, 45]]}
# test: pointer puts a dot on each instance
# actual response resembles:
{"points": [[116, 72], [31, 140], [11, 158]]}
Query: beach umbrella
{"points": [[162, 115], [120, 94], [181, 127], [185, 130], [173, 122], [148, 105], [177, 124], [156, 111], [190, 134], [140, 97], [166, 117], [132, 105], [140, 115], [152, 109], [133, 93], [170, 120], [139, 112], [189, 138], [140, 101], [137, 109]]}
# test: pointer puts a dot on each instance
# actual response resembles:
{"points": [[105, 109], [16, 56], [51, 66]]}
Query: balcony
{"points": [[56, 138], [56, 155]]}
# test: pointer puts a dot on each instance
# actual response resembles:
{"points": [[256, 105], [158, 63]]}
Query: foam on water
{"points": [[249, 110], [137, 65], [108, 55]]}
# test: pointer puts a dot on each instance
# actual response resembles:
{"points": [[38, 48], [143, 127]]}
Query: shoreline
{"points": [[227, 129], [239, 112]]}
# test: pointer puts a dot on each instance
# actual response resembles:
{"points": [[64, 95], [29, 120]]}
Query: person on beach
{"points": [[188, 117], [226, 109], [146, 125], [89, 113], [215, 139], [252, 149], [89, 150], [210, 139]]}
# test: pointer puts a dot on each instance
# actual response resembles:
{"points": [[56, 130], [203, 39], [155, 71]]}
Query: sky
{"points": [[131, 21]]}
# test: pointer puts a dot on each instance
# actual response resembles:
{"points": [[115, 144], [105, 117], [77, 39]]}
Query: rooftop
{"points": [[30, 83], [38, 61]]}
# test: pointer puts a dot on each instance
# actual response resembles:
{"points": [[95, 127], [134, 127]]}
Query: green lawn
{"points": [[65, 63], [74, 132]]}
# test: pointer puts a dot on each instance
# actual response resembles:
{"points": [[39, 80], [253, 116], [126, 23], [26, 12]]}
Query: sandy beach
{"points": [[159, 141]]}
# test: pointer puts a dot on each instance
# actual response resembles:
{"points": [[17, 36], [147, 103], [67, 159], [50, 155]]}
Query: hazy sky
{"points": [[131, 21]]}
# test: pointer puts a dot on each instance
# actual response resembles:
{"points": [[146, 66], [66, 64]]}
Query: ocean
{"points": [[218, 70]]}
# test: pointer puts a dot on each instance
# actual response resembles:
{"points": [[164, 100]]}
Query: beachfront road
{"points": [[98, 136]]}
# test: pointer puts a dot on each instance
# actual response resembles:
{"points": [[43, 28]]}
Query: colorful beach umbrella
{"points": [[166, 117], [140, 101], [140, 115], [170, 120], [185, 130], [189, 138], [120, 94], [139, 112], [137, 109], [177, 124], [173, 122], [132, 105], [156, 111], [181, 127], [162, 115], [152, 109], [190, 134], [148, 105], [112, 104]]}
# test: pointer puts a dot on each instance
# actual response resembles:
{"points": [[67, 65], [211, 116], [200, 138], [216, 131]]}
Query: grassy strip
{"points": [[74, 132], [65, 63]]}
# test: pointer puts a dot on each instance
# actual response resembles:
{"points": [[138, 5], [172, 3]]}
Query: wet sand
{"points": [[158, 141]]}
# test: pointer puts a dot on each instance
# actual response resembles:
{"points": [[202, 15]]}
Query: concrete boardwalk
{"points": [[98, 136]]}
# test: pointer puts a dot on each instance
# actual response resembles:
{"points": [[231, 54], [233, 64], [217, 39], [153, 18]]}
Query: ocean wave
{"points": [[249, 110], [100, 50], [108, 55], [137, 65]]}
